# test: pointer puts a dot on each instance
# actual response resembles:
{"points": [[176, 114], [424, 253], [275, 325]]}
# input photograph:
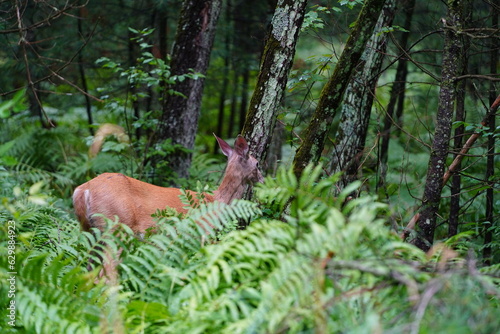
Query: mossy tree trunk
{"points": [[357, 104], [275, 66], [193, 45], [453, 46], [313, 139]]}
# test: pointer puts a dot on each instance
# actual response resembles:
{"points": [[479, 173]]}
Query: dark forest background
{"points": [[376, 123]]}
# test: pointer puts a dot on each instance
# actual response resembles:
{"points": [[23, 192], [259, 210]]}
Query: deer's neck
{"points": [[232, 187]]}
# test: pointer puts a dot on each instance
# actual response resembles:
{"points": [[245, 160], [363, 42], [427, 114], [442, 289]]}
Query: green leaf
{"points": [[16, 104]]}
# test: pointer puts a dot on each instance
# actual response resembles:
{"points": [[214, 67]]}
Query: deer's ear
{"points": [[226, 149], [241, 146]]}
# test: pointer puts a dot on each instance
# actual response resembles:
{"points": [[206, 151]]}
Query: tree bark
{"points": [[397, 94], [275, 66], [83, 78], [245, 82], [315, 134], [456, 182], [357, 103], [223, 96], [274, 153], [490, 163], [225, 79], [453, 45], [193, 44], [234, 104]]}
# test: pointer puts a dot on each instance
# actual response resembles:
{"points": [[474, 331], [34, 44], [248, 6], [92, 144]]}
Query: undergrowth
{"points": [[309, 263]]}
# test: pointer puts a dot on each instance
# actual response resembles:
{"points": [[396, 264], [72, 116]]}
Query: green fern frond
{"points": [[52, 295], [267, 277], [277, 192], [303, 200], [166, 258], [331, 265], [234, 261], [202, 168], [40, 154]]}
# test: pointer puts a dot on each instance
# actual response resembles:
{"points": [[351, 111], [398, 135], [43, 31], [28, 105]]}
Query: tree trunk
{"points": [[28, 53], [132, 88], [225, 79], [331, 96], [193, 44], [234, 103], [83, 78], [453, 46], [456, 182], [490, 163], [397, 94], [223, 96], [275, 66], [274, 154], [245, 82], [357, 103]]}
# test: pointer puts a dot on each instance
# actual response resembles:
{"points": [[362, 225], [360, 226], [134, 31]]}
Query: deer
{"points": [[134, 202], [104, 131]]}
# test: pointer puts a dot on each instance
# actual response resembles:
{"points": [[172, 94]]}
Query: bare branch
{"points": [[47, 21], [456, 162]]}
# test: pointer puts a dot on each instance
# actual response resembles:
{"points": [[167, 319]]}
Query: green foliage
{"points": [[14, 105], [329, 264], [148, 71], [38, 155], [482, 130], [385, 30], [52, 290], [312, 19], [149, 77], [51, 156], [350, 3], [307, 262]]}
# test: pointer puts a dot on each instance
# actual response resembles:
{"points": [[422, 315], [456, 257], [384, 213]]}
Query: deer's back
{"points": [[131, 200]]}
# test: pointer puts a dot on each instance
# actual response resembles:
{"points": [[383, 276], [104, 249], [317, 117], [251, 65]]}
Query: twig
{"points": [[468, 144], [57, 13], [456, 162]]}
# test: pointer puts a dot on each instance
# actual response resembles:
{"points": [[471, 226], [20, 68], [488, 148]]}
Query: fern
{"points": [[37, 155], [53, 292], [329, 265], [50, 296], [165, 259], [202, 170]]}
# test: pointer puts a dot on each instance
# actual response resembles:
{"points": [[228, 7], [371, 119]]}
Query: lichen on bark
{"points": [[275, 66], [453, 45], [314, 136], [349, 142]]}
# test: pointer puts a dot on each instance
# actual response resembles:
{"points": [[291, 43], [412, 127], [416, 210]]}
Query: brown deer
{"points": [[133, 202]]}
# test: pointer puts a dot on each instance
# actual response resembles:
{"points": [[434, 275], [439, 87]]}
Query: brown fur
{"points": [[133, 201], [104, 131]]}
